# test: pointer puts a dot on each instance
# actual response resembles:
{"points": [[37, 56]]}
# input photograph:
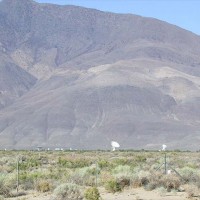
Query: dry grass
{"points": [[44, 171]]}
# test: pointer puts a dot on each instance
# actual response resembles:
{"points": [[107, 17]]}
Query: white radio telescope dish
{"points": [[164, 147], [114, 145]]}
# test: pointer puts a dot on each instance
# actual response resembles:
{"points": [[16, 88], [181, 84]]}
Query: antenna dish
{"points": [[164, 147], [114, 145]]}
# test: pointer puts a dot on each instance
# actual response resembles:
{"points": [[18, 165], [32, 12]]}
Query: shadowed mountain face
{"points": [[14, 81], [73, 77]]}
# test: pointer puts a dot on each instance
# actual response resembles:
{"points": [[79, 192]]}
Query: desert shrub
{"points": [[26, 181], [29, 164], [151, 185], [136, 182], [59, 173], [43, 186], [10, 181], [4, 160], [4, 168], [5, 191], [17, 194], [162, 191], [192, 165], [190, 175], [123, 174], [113, 186], [154, 181], [191, 190], [104, 164], [104, 177], [140, 158], [125, 161], [123, 182], [84, 176], [170, 182], [122, 171], [121, 161], [68, 191], [74, 163], [144, 177], [92, 194], [140, 178], [27, 185]]}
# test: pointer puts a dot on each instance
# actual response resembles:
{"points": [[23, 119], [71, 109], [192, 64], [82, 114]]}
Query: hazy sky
{"points": [[184, 13]]}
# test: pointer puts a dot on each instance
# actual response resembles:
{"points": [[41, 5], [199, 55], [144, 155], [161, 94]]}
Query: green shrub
{"points": [[104, 164], [140, 158], [92, 194], [113, 186], [29, 164], [190, 175], [26, 181], [68, 191], [43, 186], [5, 191], [84, 176], [11, 181], [122, 170], [121, 161], [104, 177], [74, 163], [123, 175]]}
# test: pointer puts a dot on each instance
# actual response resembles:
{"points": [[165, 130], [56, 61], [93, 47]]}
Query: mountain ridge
{"points": [[88, 77]]}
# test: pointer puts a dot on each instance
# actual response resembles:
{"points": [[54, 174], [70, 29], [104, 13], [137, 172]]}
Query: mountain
{"points": [[79, 78], [14, 81]]}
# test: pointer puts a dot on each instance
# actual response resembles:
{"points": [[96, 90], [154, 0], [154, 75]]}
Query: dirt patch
{"points": [[127, 194], [141, 194]]}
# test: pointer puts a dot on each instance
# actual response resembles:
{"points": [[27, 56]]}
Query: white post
{"points": [[17, 174], [96, 174]]}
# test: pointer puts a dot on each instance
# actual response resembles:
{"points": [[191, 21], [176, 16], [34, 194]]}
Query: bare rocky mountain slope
{"points": [[73, 77]]}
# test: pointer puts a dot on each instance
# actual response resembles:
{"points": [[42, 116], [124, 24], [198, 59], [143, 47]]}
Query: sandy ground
{"points": [[127, 194], [141, 194]]}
